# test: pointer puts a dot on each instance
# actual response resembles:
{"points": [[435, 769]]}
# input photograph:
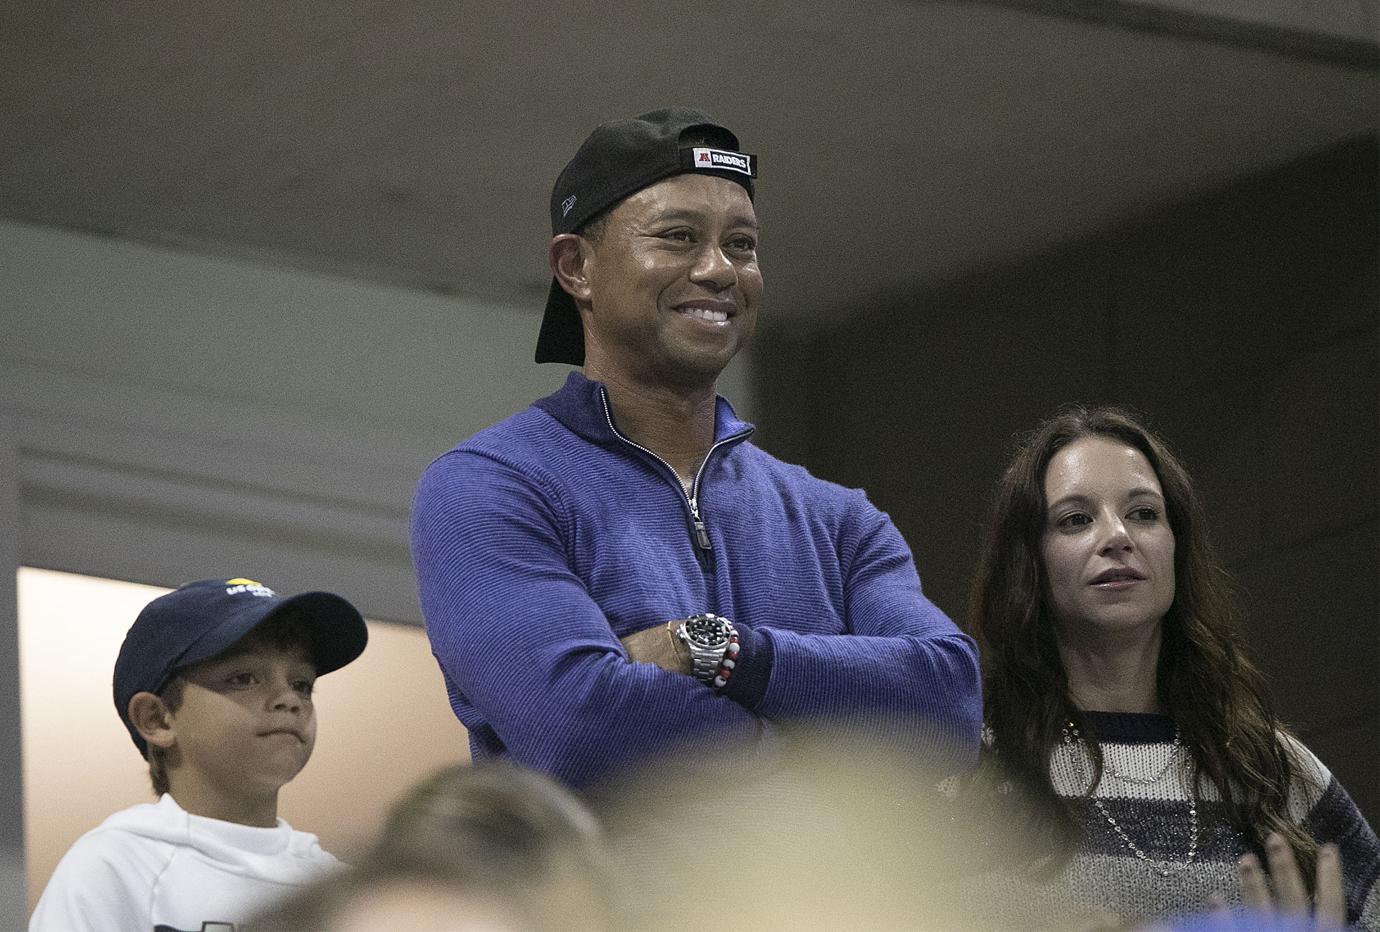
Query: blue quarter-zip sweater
{"points": [[543, 539]]}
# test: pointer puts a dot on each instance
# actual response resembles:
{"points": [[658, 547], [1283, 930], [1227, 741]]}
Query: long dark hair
{"points": [[1205, 680]]}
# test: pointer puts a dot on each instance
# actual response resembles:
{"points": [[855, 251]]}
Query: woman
{"points": [[1123, 714]]}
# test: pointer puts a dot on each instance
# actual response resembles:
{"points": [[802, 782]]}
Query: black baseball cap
{"points": [[619, 159], [200, 619]]}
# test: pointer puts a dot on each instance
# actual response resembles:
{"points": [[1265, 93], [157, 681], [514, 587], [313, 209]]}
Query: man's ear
{"points": [[569, 257], [152, 719]]}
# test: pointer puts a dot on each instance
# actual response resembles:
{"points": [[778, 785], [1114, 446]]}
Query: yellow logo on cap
{"points": [[239, 584]]}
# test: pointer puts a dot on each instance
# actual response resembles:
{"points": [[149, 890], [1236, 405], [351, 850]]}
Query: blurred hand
{"points": [[1290, 896], [659, 645]]}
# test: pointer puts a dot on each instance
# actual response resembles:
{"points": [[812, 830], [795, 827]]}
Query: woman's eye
{"points": [[1145, 514], [304, 687], [1077, 519], [681, 236], [242, 679], [742, 244]]}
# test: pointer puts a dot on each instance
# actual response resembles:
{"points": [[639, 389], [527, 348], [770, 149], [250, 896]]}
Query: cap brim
{"points": [[562, 338], [338, 632]]}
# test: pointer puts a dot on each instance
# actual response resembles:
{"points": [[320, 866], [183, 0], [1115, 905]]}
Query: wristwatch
{"points": [[708, 637]]}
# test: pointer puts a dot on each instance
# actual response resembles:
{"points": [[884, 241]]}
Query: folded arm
{"points": [[903, 667], [518, 634]]}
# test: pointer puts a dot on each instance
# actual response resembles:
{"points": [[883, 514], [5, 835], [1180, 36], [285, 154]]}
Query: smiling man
{"points": [[617, 571]]}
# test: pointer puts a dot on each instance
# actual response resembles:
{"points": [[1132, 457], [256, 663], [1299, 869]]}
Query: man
{"points": [[617, 571]]}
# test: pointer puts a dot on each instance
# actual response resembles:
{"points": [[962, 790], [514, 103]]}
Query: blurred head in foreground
{"points": [[487, 846], [826, 833]]}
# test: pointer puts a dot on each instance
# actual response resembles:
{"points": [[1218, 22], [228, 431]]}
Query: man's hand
{"points": [[659, 645]]}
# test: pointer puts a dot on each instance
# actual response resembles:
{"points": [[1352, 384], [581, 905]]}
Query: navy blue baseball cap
{"points": [[200, 619], [619, 159]]}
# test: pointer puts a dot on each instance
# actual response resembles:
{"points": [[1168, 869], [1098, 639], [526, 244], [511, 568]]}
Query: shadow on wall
{"points": [[1243, 323]]}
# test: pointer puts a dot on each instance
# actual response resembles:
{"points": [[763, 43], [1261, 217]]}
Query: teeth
{"points": [[701, 313]]}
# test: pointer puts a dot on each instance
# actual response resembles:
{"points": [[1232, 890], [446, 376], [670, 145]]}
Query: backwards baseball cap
{"points": [[617, 160], [200, 619]]}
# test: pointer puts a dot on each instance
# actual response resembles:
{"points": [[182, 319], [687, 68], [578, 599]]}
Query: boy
{"points": [[214, 683]]}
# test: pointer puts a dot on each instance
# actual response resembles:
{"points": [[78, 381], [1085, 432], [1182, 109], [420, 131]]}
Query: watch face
{"points": [[708, 631]]}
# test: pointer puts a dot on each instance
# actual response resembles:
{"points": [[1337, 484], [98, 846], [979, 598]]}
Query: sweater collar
{"points": [[579, 405], [1130, 727]]}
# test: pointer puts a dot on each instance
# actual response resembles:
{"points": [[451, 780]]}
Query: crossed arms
{"points": [[562, 660]]}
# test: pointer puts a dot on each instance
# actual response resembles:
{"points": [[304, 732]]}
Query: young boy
{"points": [[214, 683]]}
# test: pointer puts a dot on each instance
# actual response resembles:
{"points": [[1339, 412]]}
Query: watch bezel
{"points": [[697, 631]]}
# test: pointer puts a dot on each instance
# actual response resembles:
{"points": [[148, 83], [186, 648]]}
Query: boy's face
{"points": [[246, 722]]}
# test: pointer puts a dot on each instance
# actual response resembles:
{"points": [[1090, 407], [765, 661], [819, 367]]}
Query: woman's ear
{"points": [[569, 258], [150, 717]]}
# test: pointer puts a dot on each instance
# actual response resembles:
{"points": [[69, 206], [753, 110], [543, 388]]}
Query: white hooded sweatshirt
{"points": [[157, 867]]}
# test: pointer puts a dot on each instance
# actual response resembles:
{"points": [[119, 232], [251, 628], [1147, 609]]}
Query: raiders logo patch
{"points": [[722, 160]]}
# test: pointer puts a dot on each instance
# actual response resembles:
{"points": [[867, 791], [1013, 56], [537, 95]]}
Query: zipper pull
{"points": [[702, 537], [701, 532]]}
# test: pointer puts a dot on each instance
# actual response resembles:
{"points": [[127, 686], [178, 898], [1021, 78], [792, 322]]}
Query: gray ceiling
{"points": [[415, 142]]}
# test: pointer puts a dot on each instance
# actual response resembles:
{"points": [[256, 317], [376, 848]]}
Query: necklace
{"points": [[1073, 740], [1174, 749]]}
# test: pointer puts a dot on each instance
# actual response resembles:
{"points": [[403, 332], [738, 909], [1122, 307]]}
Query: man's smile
{"points": [[714, 312]]}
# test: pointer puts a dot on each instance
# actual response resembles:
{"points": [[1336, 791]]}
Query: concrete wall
{"points": [[13, 913], [1243, 323]]}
